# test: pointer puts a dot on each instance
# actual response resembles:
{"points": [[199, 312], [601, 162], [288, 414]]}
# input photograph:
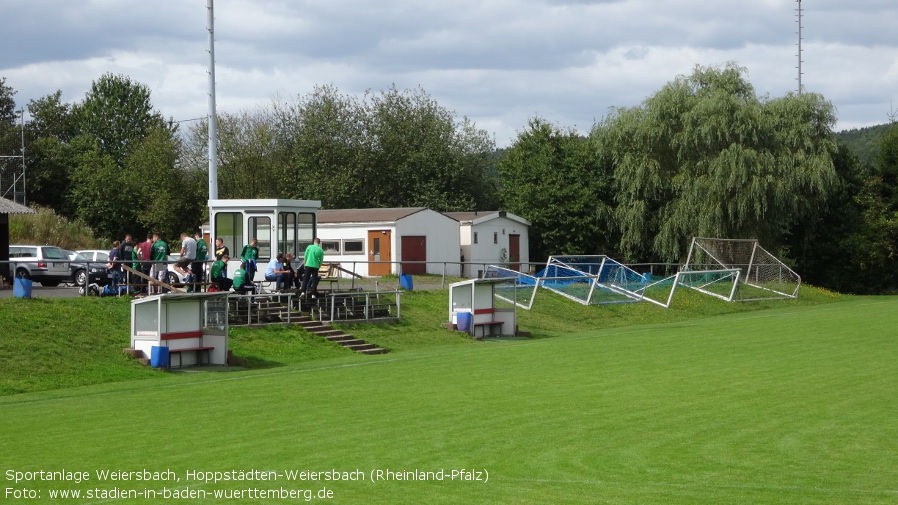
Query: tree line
{"points": [[703, 156]]}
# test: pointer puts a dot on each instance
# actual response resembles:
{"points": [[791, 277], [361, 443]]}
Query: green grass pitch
{"points": [[791, 405]]}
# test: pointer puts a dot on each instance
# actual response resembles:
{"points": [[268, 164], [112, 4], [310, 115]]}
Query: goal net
{"points": [[760, 275], [592, 280], [520, 288]]}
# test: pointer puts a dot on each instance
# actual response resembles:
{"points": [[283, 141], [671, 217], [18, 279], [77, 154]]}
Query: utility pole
{"points": [[799, 46]]}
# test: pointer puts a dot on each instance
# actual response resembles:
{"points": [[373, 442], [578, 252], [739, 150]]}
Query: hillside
{"points": [[863, 142]]}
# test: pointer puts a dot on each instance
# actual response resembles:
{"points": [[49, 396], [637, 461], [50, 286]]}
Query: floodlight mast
{"points": [[799, 46], [213, 121]]}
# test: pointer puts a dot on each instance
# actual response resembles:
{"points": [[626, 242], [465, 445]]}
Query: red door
{"points": [[414, 248], [514, 251]]}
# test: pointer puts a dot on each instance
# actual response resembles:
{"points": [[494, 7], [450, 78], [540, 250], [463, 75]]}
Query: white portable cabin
{"points": [[278, 226], [192, 326], [375, 242], [472, 308], [492, 238]]}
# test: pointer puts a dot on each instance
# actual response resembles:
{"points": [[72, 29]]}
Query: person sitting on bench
{"points": [[241, 283], [275, 272], [220, 266]]}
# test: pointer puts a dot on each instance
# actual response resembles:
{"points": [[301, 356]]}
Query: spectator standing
{"points": [[145, 254], [114, 267], [160, 259], [202, 253], [248, 256], [313, 257], [126, 253]]}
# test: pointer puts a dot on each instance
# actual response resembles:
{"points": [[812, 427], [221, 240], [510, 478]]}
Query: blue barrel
{"points": [[159, 356], [464, 321], [405, 282], [21, 288]]}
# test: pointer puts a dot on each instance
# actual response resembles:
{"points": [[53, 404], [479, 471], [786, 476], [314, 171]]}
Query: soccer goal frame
{"points": [[520, 288], [762, 276]]}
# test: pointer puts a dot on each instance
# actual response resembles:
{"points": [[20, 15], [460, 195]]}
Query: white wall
{"points": [[441, 232], [343, 232], [485, 251], [443, 243]]}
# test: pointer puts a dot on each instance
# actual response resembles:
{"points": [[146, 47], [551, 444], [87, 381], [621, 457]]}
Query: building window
{"points": [[495, 237], [287, 232], [475, 237], [331, 246], [260, 229], [305, 231], [229, 228], [354, 246]]}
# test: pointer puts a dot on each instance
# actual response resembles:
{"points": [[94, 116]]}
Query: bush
{"points": [[48, 228]]}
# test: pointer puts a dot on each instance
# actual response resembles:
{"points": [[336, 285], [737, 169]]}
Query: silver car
{"points": [[46, 264]]}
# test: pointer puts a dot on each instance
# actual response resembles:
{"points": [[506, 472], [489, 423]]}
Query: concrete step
{"points": [[350, 342], [361, 347], [317, 327], [376, 350], [339, 338]]}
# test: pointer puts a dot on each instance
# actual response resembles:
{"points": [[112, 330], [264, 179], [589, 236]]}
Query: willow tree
{"points": [[706, 156]]}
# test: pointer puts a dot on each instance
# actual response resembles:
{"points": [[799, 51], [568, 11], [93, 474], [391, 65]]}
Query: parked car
{"points": [[95, 255], [173, 277], [39, 263], [80, 266]]}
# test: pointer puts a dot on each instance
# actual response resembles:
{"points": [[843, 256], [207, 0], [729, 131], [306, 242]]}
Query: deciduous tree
{"points": [[555, 179]]}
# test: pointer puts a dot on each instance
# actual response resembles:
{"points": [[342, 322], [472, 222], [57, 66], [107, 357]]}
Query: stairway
{"points": [[272, 311], [337, 336]]}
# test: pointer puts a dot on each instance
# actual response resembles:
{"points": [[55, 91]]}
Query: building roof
{"points": [[334, 216], [484, 215], [11, 207]]}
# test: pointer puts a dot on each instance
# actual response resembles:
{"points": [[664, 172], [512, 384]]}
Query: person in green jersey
{"points": [[242, 284], [313, 257], [248, 256], [217, 276], [202, 252], [160, 253]]}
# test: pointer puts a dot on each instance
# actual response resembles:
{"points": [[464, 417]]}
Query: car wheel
{"points": [[23, 274], [50, 284], [80, 277], [172, 278]]}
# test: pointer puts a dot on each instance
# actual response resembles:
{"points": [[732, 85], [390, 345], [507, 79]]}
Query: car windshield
{"points": [[77, 257]]}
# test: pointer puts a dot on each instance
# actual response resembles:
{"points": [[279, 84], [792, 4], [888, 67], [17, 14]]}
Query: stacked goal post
{"points": [[592, 279], [761, 276]]}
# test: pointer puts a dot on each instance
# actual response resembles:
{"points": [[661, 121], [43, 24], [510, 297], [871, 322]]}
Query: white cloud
{"points": [[498, 62]]}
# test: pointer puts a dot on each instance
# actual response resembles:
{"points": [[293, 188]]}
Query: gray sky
{"points": [[497, 62]]}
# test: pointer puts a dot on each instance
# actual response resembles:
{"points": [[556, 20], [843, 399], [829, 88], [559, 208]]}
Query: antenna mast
{"points": [[799, 46]]}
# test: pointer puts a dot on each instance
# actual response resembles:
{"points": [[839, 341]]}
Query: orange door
{"points": [[379, 252]]}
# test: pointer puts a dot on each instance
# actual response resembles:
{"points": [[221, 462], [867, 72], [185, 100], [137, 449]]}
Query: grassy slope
{"points": [[57, 343], [792, 403]]}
